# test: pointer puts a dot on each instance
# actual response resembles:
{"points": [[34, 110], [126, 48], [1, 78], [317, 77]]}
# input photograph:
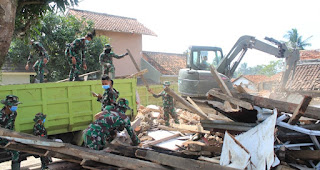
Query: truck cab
{"points": [[196, 80]]}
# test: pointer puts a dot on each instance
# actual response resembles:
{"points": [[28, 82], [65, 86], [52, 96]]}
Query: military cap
{"points": [[167, 83], [39, 116], [11, 100]]}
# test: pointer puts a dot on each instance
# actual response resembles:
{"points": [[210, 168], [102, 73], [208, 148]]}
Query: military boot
{"points": [[15, 166]]}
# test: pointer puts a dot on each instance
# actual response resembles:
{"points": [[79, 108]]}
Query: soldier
{"points": [[43, 58], [104, 129], [40, 130], [109, 98], [8, 116], [75, 55], [168, 105], [106, 62]]}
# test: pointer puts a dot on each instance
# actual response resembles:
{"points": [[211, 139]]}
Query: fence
{"points": [[69, 106], [147, 99]]}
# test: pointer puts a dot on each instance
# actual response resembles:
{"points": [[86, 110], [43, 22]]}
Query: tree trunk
{"points": [[7, 21]]}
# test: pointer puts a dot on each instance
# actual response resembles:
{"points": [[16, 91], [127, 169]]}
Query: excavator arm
{"points": [[248, 42]]}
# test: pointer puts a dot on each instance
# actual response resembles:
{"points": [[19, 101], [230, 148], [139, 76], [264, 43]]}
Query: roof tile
{"points": [[113, 23]]}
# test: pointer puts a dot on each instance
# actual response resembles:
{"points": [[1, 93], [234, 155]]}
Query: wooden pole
{"points": [[186, 103], [138, 69], [138, 73], [302, 107]]}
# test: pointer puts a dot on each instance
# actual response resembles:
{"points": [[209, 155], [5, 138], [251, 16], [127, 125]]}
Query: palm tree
{"points": [[295, 40]]}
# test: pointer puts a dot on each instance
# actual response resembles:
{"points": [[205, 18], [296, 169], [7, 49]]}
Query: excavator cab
{"points": [[200, 58], [196, 80]]}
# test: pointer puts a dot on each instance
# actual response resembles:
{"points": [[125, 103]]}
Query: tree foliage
{"points": [[54, 32], [30, 12], [270, 69], [295, 40]]}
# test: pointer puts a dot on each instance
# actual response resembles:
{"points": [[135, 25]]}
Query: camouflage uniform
{"points": [[76, 49], [104, 129], [41, 53], [106, 61], [40, 130], [168, 105], [7, 122], [109, 99]]}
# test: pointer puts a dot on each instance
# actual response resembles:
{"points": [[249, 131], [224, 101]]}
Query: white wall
{"points": [[247, 83], [15, 79]]}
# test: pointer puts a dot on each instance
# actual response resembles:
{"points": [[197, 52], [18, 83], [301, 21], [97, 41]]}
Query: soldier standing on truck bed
{"points": [[107, 125], [43, 58], [106, 60], [109, 98], [168, 105], [8, 116], [75, 56], [40, 130]]}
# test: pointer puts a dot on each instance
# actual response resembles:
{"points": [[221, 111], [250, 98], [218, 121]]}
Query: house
{"points": [[272, 82], [124, 33], [307, 74], [15, 74], [162, 66], [251, 82]]}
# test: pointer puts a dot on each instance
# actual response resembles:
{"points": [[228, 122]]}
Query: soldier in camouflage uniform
{"points": [[75, 55], [43, 58], [106, 60], [8, 116], [104, 129], [109, 98], [40, 130], [168, 105]]}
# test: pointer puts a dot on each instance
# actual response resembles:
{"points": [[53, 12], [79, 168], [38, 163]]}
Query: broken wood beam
{"points": [[300, 110], [177, 162], [195, 105], [305, 154], [190, 128], [234, 126], [138, 69], [219, 80], [142, 72], [186, 103], [282, 106], [231, 99], [85, 153]]}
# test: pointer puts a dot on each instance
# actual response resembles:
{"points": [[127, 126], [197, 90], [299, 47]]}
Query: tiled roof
{"points": [[166, 63], [306, 78], [112, 23], [309, 54], [256, 79], [275, 78]]}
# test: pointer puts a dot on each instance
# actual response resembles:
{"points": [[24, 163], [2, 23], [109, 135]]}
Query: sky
{"points": [[181, 23]]}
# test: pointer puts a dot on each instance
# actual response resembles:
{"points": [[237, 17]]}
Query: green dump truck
{"points": [[69, 106]]}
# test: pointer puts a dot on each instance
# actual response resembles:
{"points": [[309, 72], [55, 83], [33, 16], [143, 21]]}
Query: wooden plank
{"points": [[195, 105], [219, 80], [300, 110], [231, 99], [190, 128], [311, 112], [144, 71], [86, 153], [234, 126], [138, 69], [162, 140], [186, 103], [82, 75], [305, 154], [177, 162]]}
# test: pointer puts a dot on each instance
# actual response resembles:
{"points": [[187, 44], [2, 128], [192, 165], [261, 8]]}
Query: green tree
{"points": [[17, 16], [270, 69], [295, 40], [54, 32]]}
